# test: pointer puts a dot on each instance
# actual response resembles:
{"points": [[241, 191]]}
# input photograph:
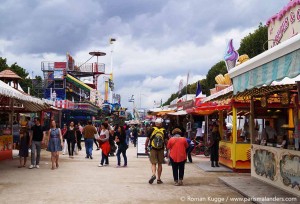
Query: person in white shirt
{"points": [[269, 134]]}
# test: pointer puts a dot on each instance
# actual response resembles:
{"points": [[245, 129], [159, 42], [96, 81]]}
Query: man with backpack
{"points": [[157, 139]]}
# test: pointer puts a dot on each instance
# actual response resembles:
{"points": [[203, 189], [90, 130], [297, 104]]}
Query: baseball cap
{"points": [[158, 120]]}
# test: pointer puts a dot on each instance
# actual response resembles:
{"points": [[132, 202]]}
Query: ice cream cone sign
{"points": [[231, 56]]}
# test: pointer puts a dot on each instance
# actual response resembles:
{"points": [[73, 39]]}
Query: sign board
{"points": [[284, 25], [141, 146], [60, 65], [58, 74]]}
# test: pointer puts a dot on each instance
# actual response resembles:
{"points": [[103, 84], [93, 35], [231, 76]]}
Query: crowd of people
{"points": [[160, 143]]}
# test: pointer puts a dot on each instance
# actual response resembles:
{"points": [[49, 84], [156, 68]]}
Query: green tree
{"points": [[25, 82], [3, 64], [253, 44]]}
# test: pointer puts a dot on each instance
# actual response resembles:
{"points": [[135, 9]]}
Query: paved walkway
{"points": [[80, 180], [253, 188]]}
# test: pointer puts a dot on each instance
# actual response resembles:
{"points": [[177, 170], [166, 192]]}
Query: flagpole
{"points": [[187, 82]]}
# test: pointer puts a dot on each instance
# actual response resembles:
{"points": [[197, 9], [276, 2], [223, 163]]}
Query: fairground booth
{"points": [[232, 117], [13, 102], [269, 82]]}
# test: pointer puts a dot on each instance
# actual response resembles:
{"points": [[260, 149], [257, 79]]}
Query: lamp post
{"points": [[111, 42], [132, 101], [141, 104], [95, 77]]}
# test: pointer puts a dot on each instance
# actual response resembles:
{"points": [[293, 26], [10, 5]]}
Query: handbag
{"points": [[76, 149], [97, 137]]}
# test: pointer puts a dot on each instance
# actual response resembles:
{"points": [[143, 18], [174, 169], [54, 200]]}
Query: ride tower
{"points": [[62, 84]]}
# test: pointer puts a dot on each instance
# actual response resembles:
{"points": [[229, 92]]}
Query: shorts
{"points": [[157, 156]]}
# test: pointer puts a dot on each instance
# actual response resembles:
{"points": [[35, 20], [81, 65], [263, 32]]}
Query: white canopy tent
{"points": [[28, 102]]}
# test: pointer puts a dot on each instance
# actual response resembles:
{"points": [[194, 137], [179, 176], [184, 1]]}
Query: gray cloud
{"points": [[154, 38]]}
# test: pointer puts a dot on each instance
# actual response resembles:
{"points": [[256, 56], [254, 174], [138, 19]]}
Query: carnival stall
{"points": [[12, 102], [275, 154], [232, 117]]}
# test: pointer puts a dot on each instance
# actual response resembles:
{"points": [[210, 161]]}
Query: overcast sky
{"points": [[158, 41]]}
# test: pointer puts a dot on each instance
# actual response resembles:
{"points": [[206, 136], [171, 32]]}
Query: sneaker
{"points": [[37, 166], [180, 183], [100, 165], [118, 166], [105, 164], [31, 167], [125, 165]]}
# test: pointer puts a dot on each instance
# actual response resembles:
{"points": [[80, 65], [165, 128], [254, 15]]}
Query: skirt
{"points": [[54, 145], [24, 145]]}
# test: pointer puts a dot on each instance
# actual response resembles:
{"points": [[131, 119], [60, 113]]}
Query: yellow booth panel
{"points": [[6, 144], [235, 155], [226, 150]]}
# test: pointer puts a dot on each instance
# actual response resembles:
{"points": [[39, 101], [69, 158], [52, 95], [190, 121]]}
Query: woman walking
{"points": [[24, 145], [177, 146], [104, 144], [122, 145], [71, 139], [55, 143], [79, 136]]}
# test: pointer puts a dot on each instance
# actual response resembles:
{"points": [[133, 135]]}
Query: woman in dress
{"points": [[104, 144], [71, 139], [55, 143], [122, 145], [24, 145]]}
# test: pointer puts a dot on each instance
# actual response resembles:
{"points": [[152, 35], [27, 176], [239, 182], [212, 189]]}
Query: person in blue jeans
{"points": [[190, 149], [89, 132], [122, 146], [37, 135]]}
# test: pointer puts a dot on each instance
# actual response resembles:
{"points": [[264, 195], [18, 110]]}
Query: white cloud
{"points": [[158, 42]]}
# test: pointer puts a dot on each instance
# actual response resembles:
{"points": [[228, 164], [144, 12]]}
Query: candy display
{"points": [[242, 59], [223, 80]]}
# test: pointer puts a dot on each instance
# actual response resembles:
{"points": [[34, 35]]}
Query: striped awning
{"points": [[275, 64]]}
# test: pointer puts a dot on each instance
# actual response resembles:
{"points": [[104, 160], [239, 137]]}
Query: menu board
{"points": [[141, 146]]}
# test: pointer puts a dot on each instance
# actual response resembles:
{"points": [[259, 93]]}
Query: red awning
{"points": [[208, 108]]}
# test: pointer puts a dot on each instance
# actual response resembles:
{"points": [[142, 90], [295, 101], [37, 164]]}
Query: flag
{"points": [[199, 89]]}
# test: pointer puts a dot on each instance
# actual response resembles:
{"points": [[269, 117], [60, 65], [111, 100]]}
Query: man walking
{"points": [[89, 132], [37, 134], [158, 139]]}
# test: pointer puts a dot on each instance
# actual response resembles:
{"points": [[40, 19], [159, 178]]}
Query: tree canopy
{"points": [[25, 82], [252, 45]]}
